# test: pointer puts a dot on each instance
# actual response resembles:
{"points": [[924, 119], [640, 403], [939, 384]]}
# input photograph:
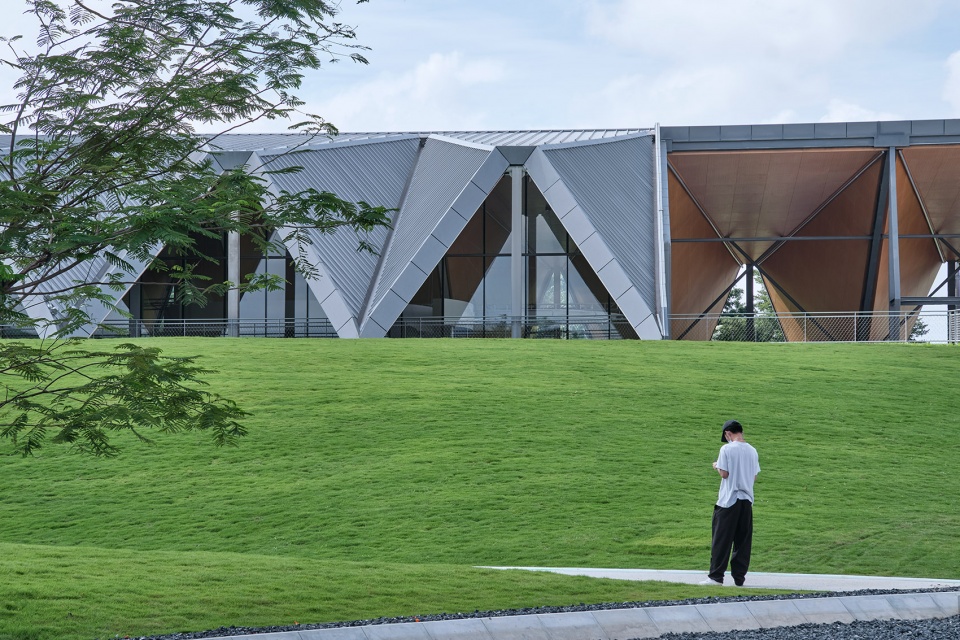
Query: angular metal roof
{"points": [[375, 173], [283, 141]]}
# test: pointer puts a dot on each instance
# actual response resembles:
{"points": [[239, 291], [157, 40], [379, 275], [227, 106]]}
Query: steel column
{"points": [[953, 287], [953, 282], [516, 251], [751, 324], [233, 275], [664, 239], [893, 250]]}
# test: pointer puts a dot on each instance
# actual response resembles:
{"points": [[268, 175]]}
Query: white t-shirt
{"points": [[741, 461]]}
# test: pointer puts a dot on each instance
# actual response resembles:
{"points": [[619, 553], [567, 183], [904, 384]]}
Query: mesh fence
{"points": [[926, 326]]}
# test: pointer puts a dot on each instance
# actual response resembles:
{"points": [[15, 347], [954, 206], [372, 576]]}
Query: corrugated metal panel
{"points": [[442, 172], [98, 270], [287, 141], [536, 138], [280, 141], [255, 141], [90, 271], [614, 184], [375, 173]]}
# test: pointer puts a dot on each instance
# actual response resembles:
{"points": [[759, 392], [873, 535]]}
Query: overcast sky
{"points": [[544, 64]]}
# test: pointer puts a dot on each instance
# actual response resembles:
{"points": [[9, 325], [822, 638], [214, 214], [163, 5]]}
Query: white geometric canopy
{"points": [[600, 184], [604, 195]]}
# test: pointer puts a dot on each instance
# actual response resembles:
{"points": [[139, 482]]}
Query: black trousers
{"points": [[732, 528]]}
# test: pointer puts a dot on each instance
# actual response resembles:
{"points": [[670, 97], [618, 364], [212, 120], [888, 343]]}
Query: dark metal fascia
{"points": [[678, 146]]}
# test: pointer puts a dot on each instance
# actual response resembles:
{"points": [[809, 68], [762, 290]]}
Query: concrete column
{"points": [[233, 275], [516, 251]]}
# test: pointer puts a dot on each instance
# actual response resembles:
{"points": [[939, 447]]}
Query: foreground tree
{"points": [[102, 158]]}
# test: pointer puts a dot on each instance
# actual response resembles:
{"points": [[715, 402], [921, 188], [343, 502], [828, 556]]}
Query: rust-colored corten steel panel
{"points": [[936, 172], [828, 275], [766, 193], [699, 271], [919, 258]]}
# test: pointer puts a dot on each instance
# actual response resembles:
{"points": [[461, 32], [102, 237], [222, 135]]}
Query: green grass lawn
{"points": [[377, 473]]}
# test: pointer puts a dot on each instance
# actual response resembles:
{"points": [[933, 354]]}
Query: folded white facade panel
{"points": [[604, 194], [451, 179], [376, 173]]}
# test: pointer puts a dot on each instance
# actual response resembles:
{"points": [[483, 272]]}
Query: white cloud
{"points": [[444, 91], [951, 87], [749, 61], [672, 98], [842, 111], [786, 30]]}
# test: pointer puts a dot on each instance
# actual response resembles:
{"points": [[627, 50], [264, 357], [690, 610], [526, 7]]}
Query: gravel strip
{"points": [[879, 630], [940, 629]]}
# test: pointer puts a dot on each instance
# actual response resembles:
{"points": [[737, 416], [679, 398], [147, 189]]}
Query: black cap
{"points": [[732, 426]]}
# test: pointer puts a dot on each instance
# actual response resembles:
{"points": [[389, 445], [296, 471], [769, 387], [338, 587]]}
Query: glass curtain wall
{"points": [[469, 292], [565, 298], [160, 308], [291, 311]]}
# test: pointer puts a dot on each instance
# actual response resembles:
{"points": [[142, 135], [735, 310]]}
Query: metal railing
{"points": [[214, 328], [595, 327], [924, 326]]}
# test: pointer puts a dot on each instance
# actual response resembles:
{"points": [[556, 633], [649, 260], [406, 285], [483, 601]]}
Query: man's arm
{"points": [[723, 472]]}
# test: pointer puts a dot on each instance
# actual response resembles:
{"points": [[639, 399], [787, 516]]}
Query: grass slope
{"points": [[378, 472]]}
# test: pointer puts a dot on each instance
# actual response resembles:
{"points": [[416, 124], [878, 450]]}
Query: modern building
{"points": [[627, 233]]}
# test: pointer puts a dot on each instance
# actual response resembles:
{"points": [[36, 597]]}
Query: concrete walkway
{"points": [[653, 622], [756, 580]]}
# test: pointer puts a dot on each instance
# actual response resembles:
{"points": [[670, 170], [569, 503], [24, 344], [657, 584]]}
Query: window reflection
{"points": [[497, 218], [497, 287], [545, 233], [564, 296]]}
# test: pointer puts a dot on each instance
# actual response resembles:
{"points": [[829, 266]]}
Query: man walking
{"points": [[738, 465]]}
